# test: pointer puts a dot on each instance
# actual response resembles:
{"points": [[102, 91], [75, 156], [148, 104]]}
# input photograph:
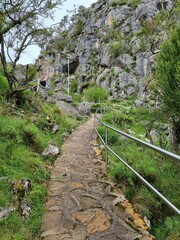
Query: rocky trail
{"points": [[82, 203]]}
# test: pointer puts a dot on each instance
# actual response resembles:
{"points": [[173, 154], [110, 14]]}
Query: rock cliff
{"points": [[113, 44]]}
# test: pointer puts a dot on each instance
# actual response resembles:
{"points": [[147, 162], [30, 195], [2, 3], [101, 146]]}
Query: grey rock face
{"points": [[143, 65], [103, 24], [104, 57], [120, 14], [60, 97], [148, 8], [84, 108], [67, 108], [102, 76], [124, 61], [125, 79]]}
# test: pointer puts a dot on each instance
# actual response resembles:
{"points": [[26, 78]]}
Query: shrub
{"points": [[133, 3], [73, 85], [168, 75], [115, 49], [115, 3], [95, 94]]}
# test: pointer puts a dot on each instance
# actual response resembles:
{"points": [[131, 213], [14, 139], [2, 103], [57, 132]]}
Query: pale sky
{"points": [[32, 52]]}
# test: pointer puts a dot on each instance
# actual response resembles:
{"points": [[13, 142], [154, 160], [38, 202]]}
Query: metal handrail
{"points": [[169, 154], [155, 148]]}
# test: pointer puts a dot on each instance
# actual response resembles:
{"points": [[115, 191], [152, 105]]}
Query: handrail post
{"points": [[106, 150]]}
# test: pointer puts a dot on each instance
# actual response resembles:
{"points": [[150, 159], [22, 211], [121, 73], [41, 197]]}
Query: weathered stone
{"points": [[95, 220], [50, 150], [147, 9], [55, 128], [120, 14], [102, 76], [104, 57], [124, 61], [143, 66], [60, 97], [126, 79], [5, 212], [84, 108], [68, 108]]}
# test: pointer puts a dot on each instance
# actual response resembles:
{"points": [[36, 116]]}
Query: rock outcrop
{"points": [[112, 43]]}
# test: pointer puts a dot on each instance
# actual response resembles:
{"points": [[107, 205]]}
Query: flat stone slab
{"points": [[82, 204]]}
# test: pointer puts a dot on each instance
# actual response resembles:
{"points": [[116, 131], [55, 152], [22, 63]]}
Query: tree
{"points": [[21, 25], [168, 76]]}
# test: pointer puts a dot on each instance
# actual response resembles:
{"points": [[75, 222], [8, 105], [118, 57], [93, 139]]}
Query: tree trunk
{"points": [[176, 135]]}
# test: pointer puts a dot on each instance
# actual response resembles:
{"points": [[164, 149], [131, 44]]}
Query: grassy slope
{"points": [[24, 133], [162, 173]]}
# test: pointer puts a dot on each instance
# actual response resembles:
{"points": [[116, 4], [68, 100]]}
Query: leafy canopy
{"points": [[21, 25]]}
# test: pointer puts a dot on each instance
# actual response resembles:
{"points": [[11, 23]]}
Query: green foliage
{"points": [[115, 49], [31, 72], [34, 137], [79, 26], [143, 31], [168, 74], [169, 230], [73, 86], [3, 86], [24, 133], [133, 3], [159, 171], [121, 119], [18, 39], [95, 94], [115, 3], [143, 43]]}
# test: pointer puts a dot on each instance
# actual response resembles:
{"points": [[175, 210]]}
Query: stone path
{"points": [[82, 204]]}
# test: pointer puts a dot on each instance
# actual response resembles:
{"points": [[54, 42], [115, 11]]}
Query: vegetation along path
{"points": [[82, 203]]}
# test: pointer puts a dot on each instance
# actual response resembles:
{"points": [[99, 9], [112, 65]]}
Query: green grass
{"points": [[25, 130], [158, 170]]}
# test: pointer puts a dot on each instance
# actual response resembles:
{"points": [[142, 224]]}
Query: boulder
{"points": [[84, 108], [5, 212], [67, 108], [60, 97], [55, 128], [50, 150]]}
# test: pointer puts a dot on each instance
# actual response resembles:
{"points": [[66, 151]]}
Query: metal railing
{"points": [[155, 148]]}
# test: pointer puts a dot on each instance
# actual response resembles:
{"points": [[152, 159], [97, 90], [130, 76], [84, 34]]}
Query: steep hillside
{"points": [[112, 44], [31, 132]]}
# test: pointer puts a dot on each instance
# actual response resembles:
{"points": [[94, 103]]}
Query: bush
{"points": [[95, 94], [115, 3], [168, 75], [115, 49], [133, 3]]}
